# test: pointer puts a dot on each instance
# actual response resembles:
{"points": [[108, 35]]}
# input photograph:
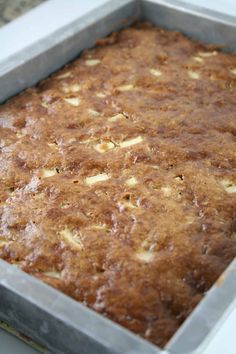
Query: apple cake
{"points": [[118, 177]]}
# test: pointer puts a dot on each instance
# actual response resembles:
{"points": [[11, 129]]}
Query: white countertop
{"points": [[219, 345]]}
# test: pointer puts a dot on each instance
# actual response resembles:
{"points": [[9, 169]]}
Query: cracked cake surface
{"points": [[118, 177]]}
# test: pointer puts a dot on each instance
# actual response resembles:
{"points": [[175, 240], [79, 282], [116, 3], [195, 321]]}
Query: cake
{"points": [[118, 177]]}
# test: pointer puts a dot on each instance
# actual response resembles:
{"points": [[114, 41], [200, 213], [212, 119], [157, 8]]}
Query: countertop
{"points": [[11, 9]]}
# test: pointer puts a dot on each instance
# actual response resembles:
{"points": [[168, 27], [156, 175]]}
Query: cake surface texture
{"points": [[118, 177]]}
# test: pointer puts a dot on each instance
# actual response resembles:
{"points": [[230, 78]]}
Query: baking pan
{"points": [[22, 338], [33, 308]]}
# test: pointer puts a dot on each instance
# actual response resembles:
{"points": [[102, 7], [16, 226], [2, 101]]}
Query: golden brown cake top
{"points": [[118, 179]]}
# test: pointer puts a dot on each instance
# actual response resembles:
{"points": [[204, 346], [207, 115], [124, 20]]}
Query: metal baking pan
{"points": [[33, 308]]}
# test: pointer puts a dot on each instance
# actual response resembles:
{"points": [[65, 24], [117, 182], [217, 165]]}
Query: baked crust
{"points": [[118, 177]]}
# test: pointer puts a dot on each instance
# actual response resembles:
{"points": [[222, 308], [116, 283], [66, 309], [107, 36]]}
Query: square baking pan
{"points": [[44, 314]]}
